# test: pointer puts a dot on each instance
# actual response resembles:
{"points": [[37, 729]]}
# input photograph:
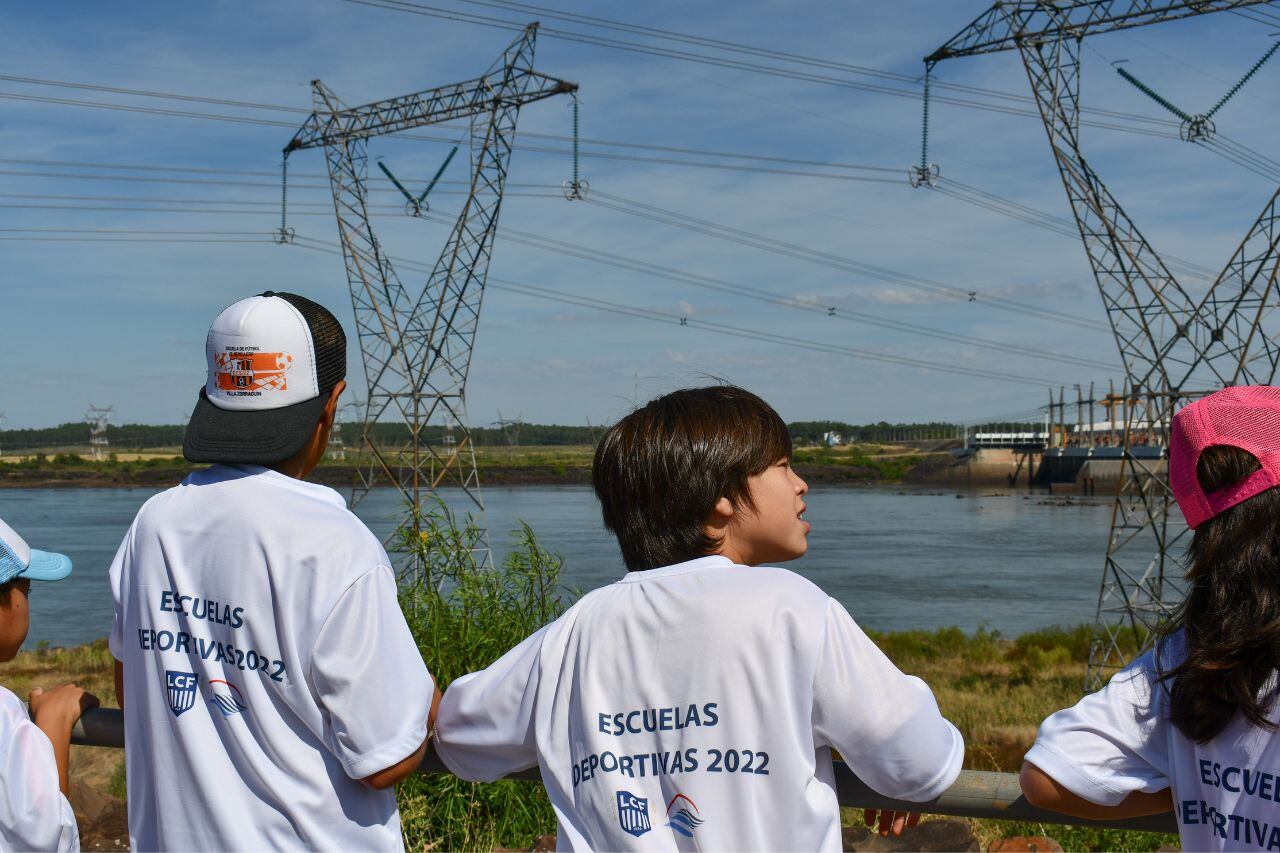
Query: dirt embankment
{"points": [[853, 471]]}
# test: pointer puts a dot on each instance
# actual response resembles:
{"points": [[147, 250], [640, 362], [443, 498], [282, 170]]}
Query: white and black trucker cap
{"points": [[273, 359]]}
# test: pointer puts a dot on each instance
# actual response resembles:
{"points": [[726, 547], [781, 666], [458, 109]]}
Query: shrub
{"points": [[464, 616]]}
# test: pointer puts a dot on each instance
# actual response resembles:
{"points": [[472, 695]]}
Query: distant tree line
{"points": [[816, 432], [123, 437], [144, 436]]}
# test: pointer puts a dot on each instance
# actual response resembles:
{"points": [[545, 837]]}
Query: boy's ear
{"points": [[722, 511]]}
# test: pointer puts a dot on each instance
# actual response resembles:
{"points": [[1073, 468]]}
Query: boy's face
{"points": [[15, 620], [775, 531]]}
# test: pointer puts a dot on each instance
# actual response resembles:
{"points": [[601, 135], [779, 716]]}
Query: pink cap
{"points": [[1244, 416]]}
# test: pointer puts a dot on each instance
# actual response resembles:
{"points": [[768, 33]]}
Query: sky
{"points": [[125, 229]]}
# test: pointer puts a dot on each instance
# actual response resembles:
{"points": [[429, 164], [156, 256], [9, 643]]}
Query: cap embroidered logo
{"points": [[633, 813], [181, 688], [239, 373]]}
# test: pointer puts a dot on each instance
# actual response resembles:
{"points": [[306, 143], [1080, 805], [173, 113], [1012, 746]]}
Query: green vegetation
{"points": [[134, 437], [813, 432], [464, 618], [861, 461], [997, 691], [130, 436]]}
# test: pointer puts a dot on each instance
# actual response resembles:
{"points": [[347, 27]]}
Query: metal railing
{"points": [[976, 793]]}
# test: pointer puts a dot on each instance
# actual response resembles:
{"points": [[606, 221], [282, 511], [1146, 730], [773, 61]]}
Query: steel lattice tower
{"points": [[1173, 346], [417, 350]]}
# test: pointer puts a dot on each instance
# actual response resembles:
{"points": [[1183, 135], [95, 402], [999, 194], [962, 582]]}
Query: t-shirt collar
{"points": [[712, 561], [273, 476]]}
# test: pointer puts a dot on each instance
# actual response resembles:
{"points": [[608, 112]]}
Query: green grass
{"points": [[877, 461]]}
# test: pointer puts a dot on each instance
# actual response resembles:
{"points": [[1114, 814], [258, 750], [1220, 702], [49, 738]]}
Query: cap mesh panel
{"points": [[1248, 415], [10, 565], [326, 334]]}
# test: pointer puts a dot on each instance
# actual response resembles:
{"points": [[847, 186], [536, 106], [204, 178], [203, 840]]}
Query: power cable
{"points": [[684, 320], [176, 236], [742, 237], [559, 152], [635, 47], [535, 241], [760, 294], [964, 193], [670, 149]]}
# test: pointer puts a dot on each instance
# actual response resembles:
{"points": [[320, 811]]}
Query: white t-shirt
{"points": [[695, 707], [268, 668], [33, 813], [1226, 793]]}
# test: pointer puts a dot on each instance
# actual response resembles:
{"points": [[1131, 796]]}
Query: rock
{"points": [[1025, 844], [103, 819], [90, 804], [928, 836]]}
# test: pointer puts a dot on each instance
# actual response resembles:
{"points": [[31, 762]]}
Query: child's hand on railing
{"points": [[60, 706], [891, 822]]}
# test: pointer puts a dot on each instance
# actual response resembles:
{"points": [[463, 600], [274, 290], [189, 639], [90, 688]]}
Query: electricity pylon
{"points": [[417, 351], [98, 420], [1174, 346]]}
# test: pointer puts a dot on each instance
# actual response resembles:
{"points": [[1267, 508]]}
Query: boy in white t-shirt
{"points": [[695, 703], [272, 691], [1192, 726], [35, 750]]}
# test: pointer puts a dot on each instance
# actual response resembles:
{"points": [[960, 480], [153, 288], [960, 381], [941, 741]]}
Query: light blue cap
{"points": [[19, 560]]}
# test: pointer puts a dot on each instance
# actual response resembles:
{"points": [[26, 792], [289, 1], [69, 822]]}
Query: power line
{"points": [[719, 328], [539, 242], [760, 294], [769, 244], [670, 149], [177, 236], [560, 152], [955, 189], [772, 70]]}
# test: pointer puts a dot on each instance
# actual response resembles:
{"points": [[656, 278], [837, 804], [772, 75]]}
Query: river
{"points": [[895, 557]]}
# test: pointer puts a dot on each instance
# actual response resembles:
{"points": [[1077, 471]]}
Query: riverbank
{"points": [[499, 466], [995, 689]]}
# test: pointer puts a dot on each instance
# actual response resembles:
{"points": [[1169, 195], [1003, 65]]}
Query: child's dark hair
{"points": [[659, 471], [1231, 615]]}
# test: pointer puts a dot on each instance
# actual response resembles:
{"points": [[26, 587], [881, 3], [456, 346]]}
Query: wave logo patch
{"points": [[226, 697], [251, 371], [633, 813], [683, 816], [181, 689]]}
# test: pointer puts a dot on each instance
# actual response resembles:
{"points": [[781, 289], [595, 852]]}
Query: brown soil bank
{"points": [[169, 472]]}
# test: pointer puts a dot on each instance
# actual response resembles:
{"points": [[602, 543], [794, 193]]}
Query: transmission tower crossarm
{"points": [[433, 106], [1006, 24]]}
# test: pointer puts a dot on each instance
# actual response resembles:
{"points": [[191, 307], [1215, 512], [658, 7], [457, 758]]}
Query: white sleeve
{"points": [[1110, 743], [885, 724], [116, 576], [485, 726], [33, 813], [369, 678]]}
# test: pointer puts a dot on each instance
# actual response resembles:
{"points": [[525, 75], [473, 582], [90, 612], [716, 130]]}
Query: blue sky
{"points": [[102, 321]]}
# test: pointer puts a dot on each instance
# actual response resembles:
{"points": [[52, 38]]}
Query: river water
{"points": [[896, 558]]}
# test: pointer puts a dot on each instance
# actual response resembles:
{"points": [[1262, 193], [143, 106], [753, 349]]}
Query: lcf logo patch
{"points": [[633, 813], [181, 689]]}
